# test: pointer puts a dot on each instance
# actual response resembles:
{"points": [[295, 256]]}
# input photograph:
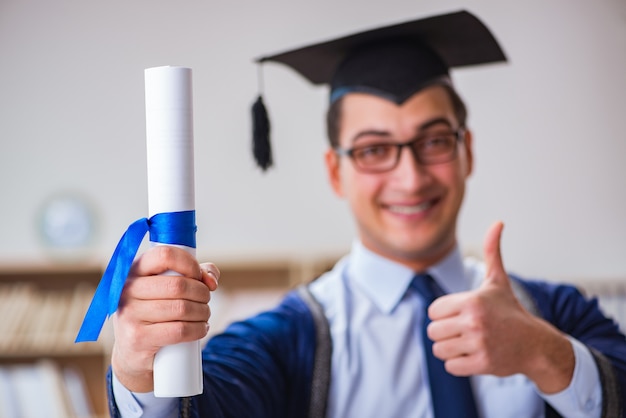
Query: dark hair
{"points": [[333, 115]]}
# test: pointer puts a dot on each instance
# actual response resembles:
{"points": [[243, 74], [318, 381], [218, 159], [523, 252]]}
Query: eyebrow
{"points": [[370, 132], [424, 126], [432, 122]]}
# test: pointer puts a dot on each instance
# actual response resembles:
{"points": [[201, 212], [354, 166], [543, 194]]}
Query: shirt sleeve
{"points": [[583, 397], [145, 405]]}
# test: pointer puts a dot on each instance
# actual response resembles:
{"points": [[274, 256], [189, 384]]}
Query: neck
{"points": [[418, 262]]}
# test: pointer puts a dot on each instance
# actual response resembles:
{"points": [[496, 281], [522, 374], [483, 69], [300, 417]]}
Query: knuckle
{"points": [[176, 286], [477, 315], [179, 308], [185, 331], [203, 294], [164, 254], [474, 323], [206, 312], [177, 331]]}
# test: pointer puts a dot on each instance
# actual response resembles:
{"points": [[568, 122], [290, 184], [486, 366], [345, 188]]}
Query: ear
{"points": [[333, 172], [469, 152]]}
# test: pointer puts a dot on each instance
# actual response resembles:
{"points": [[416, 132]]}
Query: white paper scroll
{"points": [[169, 135]]}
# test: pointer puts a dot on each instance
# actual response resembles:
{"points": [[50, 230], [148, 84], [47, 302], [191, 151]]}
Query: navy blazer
{"points": [[277, 364]]}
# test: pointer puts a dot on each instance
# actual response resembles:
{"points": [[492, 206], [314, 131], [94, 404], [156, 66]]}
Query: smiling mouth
{"points": [[411, 209]]}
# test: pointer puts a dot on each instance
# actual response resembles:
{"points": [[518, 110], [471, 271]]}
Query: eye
{"points": [[373, 153], [437, 143]]}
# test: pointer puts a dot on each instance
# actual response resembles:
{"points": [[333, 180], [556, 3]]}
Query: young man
{"points": [[364, 339]]}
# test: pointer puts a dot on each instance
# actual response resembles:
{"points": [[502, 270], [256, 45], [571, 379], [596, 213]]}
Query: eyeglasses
{"points": [[431, 148]]}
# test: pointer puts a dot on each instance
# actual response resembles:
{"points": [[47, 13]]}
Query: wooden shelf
{"points": [[42, 304], [244, 287]]}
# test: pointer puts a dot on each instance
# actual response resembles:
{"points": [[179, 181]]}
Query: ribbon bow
{"points": [[177, 228]]}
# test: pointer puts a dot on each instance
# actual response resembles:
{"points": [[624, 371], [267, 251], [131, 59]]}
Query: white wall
{"points": [[549, 126]]}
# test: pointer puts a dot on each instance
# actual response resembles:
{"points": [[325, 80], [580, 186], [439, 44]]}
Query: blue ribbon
{"points": [[176, 228]]}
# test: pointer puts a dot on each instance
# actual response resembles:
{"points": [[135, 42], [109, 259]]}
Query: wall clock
{"points": [[66, 221]]}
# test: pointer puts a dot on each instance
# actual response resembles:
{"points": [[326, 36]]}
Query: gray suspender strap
{"points": [[611, 395], [524, 298], [185, 407], [323, 350]]}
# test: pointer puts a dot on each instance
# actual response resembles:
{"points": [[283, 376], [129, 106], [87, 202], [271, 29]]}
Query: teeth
{"points": [[410, 210]]}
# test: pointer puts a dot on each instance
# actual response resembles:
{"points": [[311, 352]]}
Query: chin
{"points": [[420, 248]]}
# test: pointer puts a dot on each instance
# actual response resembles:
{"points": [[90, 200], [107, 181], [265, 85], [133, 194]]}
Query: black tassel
{"points": [[261, 147]]}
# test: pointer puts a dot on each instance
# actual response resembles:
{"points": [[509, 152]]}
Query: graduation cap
{"points": [[393, 62]]}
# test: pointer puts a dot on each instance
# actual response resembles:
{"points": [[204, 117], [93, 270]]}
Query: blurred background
{"points": [[548, 129], [548, 126]]}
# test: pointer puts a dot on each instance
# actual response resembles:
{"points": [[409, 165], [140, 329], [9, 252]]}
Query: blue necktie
{"points": [[451, 395]]}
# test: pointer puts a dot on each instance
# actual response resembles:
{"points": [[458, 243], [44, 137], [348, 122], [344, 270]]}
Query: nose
{"points": [[409, 173]]}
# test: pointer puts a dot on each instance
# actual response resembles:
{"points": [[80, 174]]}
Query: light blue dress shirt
{"points": [[377, 367]]}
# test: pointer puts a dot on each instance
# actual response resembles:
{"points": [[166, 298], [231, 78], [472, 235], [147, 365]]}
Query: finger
{"points": [[493, 257], [451, 349], [156, 311], [167, 287], [210, 275], [444, 329], [168, 333], [162, 258], [465, 365], [447, 306]]}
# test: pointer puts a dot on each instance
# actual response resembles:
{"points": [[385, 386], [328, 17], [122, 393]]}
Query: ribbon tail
{"points": [[109, 290], [94, 320]]}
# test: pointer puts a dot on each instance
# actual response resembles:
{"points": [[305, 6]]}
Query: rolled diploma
{"points": [[169, 137]]}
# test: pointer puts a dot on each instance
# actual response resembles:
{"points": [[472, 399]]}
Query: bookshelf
{"points": [[42, 309]]}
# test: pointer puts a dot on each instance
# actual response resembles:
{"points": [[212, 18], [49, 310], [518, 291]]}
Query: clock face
{"points": [[66, 222]]}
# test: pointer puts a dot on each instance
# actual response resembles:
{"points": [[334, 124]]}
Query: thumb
{"points": [[495, 274]]}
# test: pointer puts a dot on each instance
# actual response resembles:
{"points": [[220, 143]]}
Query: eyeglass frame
{"points": [[459, 134]]}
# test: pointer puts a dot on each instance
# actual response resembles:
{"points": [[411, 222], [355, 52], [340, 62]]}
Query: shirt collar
{"points": [[385, 282]]}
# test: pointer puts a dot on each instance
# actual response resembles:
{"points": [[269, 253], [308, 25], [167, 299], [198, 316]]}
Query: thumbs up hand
{"points": [[487, 330], [495, 274]]}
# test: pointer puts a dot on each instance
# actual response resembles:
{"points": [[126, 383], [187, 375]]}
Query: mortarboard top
{"points": [[393, 62]]}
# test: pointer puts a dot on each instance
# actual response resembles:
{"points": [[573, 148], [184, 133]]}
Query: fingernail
{"points": [[206, 267], [212, 273]]}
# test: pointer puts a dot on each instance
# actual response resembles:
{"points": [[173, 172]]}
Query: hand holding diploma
{"points": [[158, 310], [487, 331]]}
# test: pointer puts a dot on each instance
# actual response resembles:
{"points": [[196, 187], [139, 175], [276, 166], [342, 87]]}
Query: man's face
{"points": [[409, 213]]}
